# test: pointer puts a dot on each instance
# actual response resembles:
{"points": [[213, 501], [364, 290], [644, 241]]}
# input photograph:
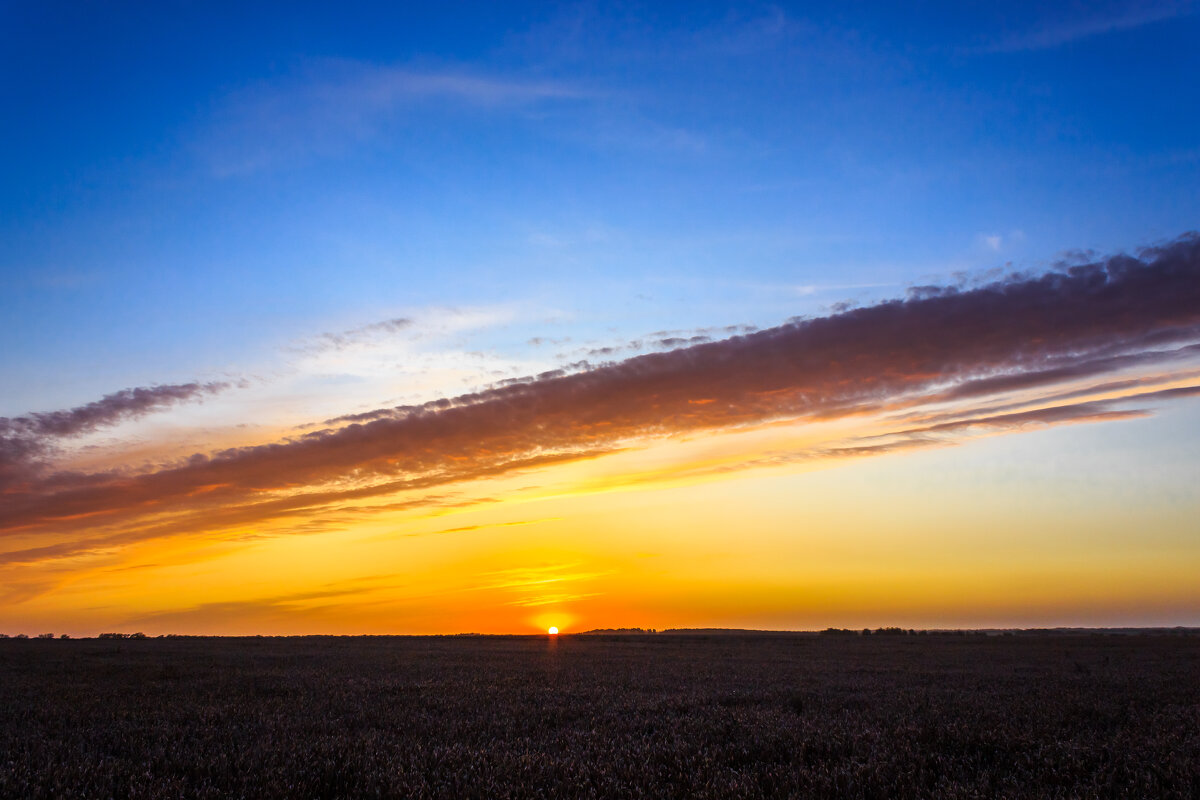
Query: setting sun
{"points": [[553, 631]]}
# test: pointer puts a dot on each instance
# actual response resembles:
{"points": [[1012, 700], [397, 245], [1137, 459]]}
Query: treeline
{"points": [[137, 635], [877, 632], [39, 636], [894, 631]]}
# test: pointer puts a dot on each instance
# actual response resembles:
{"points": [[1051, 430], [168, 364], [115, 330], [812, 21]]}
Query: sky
{"points": [[439, 318]]}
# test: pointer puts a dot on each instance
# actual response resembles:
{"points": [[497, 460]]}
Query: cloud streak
{"points": [[354, 336], [937, 346], [1055, 33], [333, 104], [108, 410], [24, 438]]}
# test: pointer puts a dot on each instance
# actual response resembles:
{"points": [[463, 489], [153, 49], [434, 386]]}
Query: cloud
{"points": [[1079, 412], [952, 345], [354, 336], [108, 410], [487, 526], [232, 509], [947, 433], [804, 290], [334, 104], [669, 340], [24, 438], [538, 586], [246, 614], [1061, 370], [1052, 33]]}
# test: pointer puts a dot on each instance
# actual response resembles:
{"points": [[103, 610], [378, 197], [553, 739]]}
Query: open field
{"points": [[602, 716]]}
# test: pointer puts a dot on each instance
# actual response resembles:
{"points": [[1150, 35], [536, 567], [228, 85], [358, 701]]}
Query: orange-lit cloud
{"points": [[935, 353]]}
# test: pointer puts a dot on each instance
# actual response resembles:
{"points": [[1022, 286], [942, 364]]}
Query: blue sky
{"points": [[187, 187]]}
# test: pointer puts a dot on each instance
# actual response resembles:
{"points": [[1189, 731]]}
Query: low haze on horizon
{"points": [[377, 318]]}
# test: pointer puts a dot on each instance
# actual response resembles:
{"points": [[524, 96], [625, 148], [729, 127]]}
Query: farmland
{"points": [[660, 715]]}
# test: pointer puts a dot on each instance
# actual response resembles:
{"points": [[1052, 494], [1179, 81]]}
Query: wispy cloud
{"points": [[807, 289], [942, 349], [489, 526], [998, 242], [538, 586], [353, 336], [1090, 21], [417, 354], [331, 105], [656, 340], [306, 607]]}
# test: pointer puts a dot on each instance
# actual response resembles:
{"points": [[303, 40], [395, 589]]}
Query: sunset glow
{"points": [[426, 321]]}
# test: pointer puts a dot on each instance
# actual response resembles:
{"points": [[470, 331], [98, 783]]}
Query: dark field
{"points": [[635, 716]]}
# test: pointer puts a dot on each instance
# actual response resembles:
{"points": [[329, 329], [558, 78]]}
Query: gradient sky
{"points": [[429, 318]]}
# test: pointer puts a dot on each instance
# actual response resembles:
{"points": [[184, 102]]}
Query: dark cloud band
{"points": [[949, 345]]}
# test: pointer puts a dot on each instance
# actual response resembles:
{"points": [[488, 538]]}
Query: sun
{"points": [[553, 630]]}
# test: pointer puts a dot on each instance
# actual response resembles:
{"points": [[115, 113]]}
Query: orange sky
{"points": [[697, 531]]}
